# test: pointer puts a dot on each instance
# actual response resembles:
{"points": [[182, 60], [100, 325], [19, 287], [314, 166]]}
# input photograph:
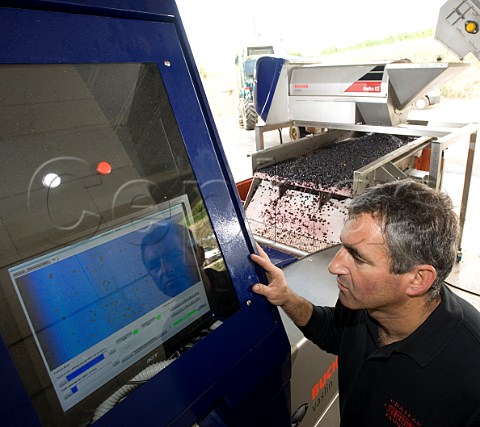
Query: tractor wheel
{"points": [[297, 132], [240, 112], [249, 116]]}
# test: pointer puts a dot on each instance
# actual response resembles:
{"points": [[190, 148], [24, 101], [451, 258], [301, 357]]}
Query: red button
{"points": [[104, 168]]}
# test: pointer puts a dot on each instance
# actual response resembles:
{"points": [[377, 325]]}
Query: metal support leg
{"points": [[261, 129], [436, 167], [259, 141], [466, 189]]}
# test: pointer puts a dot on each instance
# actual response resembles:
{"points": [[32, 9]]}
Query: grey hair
{"points": [[418, 223]]}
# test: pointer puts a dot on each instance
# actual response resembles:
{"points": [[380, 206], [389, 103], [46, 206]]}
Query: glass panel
{"points": [[108, 259]]}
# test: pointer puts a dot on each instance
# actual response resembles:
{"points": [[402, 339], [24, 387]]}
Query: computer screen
{"points": [[109, 261], [98, 306]]}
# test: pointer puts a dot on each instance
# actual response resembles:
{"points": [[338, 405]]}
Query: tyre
{"points": [[240, 112], [249, 116], [297, 132]]}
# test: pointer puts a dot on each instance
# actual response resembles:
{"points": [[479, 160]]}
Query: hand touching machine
{"points": [[125, 281]]}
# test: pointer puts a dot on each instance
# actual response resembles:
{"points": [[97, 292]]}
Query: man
{"points": [[408, 348], [175, 261], [168, 255]]}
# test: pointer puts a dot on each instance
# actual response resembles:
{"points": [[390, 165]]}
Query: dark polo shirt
{"points": [[431, 378]]}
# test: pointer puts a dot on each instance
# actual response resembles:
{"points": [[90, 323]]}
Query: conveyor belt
{"points": [[331, 167], [302, 202], [296, 218]]}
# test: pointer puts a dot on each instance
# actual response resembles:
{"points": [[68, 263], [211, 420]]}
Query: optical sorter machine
{"points": [[298, 197], [124, 270]]}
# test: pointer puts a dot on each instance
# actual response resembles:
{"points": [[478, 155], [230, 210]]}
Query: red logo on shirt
{"points": [[399, 415]]}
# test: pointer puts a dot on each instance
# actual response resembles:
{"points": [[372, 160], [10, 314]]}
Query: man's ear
{"points": [[422, 277]]}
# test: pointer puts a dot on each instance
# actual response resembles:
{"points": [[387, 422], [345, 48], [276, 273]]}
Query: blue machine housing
{"points": [[240, 373], [268, 70]]}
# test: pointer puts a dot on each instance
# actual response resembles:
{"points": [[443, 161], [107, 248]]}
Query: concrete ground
{"points": [[238, 144]]}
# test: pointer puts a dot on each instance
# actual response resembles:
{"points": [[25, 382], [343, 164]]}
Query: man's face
{"points": [[362, 267], [171, 263]]}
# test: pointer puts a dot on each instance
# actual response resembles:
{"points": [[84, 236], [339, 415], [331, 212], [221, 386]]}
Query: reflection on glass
{"points": [[165, 254], [174, 259], [103, 271]]}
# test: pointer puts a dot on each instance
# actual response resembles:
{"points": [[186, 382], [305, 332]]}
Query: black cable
{"points": [[464, 290]]}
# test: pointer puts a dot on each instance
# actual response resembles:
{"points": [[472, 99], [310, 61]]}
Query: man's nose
{"points": [[338, 265]]}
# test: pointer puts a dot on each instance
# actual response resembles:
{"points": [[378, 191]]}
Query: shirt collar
{"points": [[429, 339]]}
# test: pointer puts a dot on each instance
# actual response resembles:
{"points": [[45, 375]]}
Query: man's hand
{"points": [[278, 293]]}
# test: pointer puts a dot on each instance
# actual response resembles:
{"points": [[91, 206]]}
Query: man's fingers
{"points": [[261, 251], [266, 291], [262, 262], [257, 258], [259, 288], [265, 263]]}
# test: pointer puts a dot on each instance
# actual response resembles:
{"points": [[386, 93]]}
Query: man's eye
{"points": [[357, 259], [154, 266]]}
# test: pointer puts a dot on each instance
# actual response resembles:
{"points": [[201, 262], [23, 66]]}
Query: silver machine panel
{"points": [[457, 27]]}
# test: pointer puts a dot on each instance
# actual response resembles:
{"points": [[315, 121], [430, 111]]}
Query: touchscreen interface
{"points": [[109, 262], [100, 305]]}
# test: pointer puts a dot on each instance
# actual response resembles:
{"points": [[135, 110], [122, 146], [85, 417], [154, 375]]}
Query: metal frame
{"points": [[438, 136], [385, 168]]}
